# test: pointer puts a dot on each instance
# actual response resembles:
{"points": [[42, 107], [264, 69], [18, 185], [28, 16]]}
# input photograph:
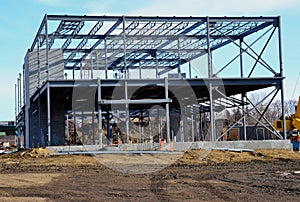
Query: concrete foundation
{"points": [[178, 146]]}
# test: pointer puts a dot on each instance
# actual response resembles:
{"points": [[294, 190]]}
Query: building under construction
{"points": [[170, 78]]}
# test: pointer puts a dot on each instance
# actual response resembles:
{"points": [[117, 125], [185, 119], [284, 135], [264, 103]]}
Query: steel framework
{"points": [[120, 46]]}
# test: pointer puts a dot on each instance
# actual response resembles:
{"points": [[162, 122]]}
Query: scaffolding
{"points": [[168, 73]]}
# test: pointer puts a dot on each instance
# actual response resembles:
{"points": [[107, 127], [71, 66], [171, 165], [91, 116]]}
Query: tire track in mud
{"points": [[264, 177], [164, 185], [255, 179]]}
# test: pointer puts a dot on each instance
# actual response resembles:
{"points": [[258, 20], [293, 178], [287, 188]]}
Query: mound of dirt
{"points": [[199, 156]]}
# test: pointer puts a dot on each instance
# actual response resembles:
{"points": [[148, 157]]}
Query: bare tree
{"points": [[273, 112], [290, 106]]}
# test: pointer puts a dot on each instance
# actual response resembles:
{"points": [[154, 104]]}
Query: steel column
{"points": [[99, 113], [167, 110], [27, 104], [281, 74], [39, 95], [179, 58], [105, 49], [192, 125], [74, 126], [127, 112], [124, 46], [49, 115], [159, 124], [210, 73], [190, 69], [81, 74], [92, 66], [93, 125], [16, 102], [156, 65], [39, 65], [47, 47], [20, 92], [18, 95], [243, 94], [140, 70]]}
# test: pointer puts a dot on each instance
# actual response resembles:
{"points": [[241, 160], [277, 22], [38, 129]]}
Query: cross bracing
{"points": [[124, 42]]}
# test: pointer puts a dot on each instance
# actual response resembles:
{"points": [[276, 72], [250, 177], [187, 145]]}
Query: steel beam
{"points": [[142, 101], [160, 18]]}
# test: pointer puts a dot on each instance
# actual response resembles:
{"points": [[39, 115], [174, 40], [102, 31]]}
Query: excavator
{"points": [[292, 126]]}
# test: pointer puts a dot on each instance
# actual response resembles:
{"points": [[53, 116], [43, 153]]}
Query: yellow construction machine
{"points": [[292, 122], [292, 127]]}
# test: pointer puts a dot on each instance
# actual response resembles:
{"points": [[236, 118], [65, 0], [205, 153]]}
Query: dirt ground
{"points": [[262, 175]]}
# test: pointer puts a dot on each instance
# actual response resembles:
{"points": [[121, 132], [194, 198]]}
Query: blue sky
{"points": [[19, 21]]}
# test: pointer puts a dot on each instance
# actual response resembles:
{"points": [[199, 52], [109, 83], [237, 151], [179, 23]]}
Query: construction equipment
{"points": [[292, 126], [292, 121]]}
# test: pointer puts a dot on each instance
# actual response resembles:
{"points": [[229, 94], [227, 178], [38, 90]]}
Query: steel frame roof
{"points": [[123, 42]]}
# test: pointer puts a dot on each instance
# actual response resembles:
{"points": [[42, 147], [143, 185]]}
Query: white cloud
{"points": [[177, 7], [215, 7]]}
